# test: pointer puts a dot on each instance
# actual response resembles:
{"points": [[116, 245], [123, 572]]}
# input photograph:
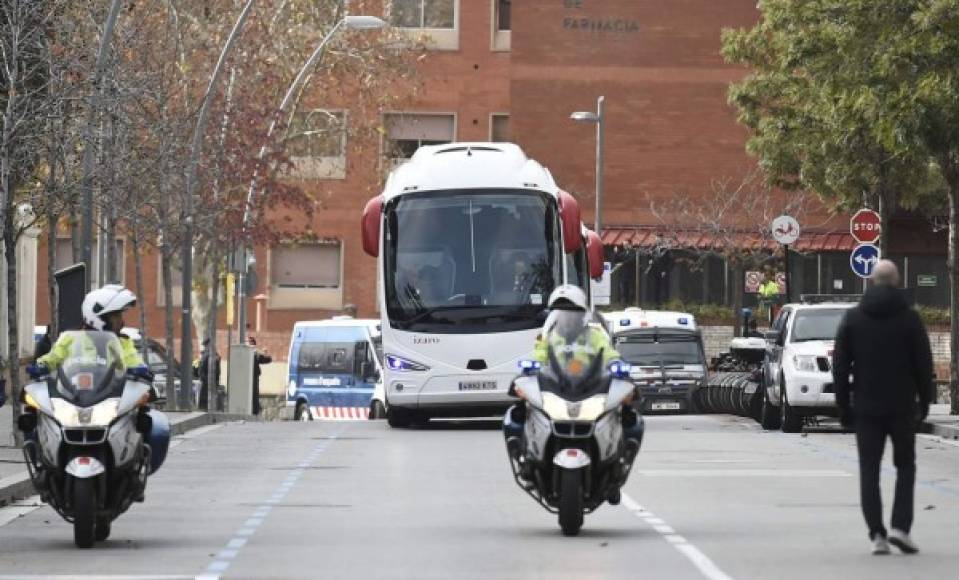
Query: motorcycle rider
{"points": [[567, 330], [103, 310]]}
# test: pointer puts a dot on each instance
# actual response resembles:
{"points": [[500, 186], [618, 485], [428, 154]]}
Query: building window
{"points": [[317, 144], [405, 133], [502, 23], [306, 266], [432, 22], [503, 14], [64, 258], [499, 128], [439, 14]]}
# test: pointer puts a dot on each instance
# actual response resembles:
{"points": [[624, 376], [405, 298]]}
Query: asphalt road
{"points": [[711, 497]]}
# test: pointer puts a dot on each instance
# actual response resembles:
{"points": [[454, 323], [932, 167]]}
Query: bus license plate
{"points": [[666, 406], [478, 385]]}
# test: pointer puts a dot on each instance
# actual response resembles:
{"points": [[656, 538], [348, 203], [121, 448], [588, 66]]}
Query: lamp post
{"points": [[353, 22], [599, 119], [185, 398]]}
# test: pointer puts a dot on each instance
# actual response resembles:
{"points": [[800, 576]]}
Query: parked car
{"points": [[797, 370]]}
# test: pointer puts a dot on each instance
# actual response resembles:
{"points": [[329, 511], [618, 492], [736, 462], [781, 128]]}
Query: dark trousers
{"points": [[871, 433]]}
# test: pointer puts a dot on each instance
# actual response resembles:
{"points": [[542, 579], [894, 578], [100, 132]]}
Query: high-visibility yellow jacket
{"points": [[590, 343], [769, 290], [61, 350]]}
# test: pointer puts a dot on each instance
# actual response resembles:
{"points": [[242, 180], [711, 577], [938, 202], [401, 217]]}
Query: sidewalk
{"points": [[14, 481], [941, 423]]}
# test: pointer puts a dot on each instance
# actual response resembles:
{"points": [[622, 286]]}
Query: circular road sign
{"points": [[863, 260], [865, 226], [785, 230]]}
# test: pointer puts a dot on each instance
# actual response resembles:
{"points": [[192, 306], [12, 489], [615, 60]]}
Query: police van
{"points": [[335, 370], [666, 352]]}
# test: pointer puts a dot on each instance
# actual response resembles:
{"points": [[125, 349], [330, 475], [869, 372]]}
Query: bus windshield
{"points": [[471, 261]]}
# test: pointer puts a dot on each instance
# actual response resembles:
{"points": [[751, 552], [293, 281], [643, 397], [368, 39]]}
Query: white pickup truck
{"points": [[797, 373]]}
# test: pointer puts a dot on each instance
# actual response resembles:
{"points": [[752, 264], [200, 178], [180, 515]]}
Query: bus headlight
{"points": [[291, 389], [395, 363]]}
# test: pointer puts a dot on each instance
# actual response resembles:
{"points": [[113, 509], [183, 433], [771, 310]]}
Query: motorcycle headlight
{"points": [[805, 363], [101, 414], [396, 363]]}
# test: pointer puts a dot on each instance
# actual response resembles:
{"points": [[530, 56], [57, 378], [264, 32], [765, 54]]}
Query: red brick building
{"points": [[503, 70]]}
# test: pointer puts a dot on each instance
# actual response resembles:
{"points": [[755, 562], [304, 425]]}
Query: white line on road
{"points": [[241, 537], [706, 567]]}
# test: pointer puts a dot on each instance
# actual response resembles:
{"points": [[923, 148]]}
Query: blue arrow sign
{"points": [[863, 259]]}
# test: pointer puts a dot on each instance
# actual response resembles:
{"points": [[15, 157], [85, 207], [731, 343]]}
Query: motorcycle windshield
{"points": [[93, 369], [574, 373]]}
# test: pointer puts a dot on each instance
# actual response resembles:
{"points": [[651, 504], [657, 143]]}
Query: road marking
{"points": [[95, 577], [706, 567], [787, 473], [226, 556]]}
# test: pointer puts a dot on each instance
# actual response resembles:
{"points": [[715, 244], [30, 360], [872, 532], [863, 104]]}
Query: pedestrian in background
{"points": [[43, 345], [201, 368], [768, 294], [883, 344], [260, 357]]}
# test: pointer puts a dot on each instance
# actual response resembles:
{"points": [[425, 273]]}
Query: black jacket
{"points": [[883, 344]]}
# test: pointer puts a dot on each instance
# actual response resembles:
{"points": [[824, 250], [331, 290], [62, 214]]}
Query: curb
{"points": [[18, 486], [946, 431]]}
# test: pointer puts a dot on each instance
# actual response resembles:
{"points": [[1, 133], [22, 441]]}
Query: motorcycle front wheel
{"points": [[571, 501], [84, 512]]}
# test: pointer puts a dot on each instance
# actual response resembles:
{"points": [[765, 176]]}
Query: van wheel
{"points": [[302, 412], [377, 410], [790, 419], [398, 418]]}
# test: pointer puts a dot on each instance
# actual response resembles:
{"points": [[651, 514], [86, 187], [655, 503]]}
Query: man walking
{"points": [[883, 344]]}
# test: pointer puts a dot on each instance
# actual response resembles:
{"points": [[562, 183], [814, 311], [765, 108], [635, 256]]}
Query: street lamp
{"points": [[353, 22], [599, 119]]}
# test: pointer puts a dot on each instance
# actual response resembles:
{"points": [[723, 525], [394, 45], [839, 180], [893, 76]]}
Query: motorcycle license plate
{"points": [[477, 385], [668, 406]]}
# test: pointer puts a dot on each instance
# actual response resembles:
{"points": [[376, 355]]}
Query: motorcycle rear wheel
{"points": [[571, 501], [84, 512]]}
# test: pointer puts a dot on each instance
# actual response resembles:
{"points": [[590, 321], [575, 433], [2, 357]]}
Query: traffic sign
{"points": [[785, 230], [863, 260], [865, 226]]}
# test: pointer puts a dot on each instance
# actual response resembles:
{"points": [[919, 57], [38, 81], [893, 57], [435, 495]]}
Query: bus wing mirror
{"points": [[594, 254], [370, 226], [571, 222]]}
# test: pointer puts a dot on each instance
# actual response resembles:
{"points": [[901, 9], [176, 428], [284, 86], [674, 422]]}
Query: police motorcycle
{"points": [[91, 439], [573, 439]]}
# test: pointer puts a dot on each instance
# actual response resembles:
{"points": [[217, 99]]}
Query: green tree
{"points": [[812, 101], [865, 93]]}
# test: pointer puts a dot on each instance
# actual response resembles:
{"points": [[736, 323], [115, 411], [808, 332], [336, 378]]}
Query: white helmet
{"points": [[568, 297], [110, 298]]}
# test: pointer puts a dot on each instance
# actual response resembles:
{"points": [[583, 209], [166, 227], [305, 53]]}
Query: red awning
{"points": [[650, 237]]}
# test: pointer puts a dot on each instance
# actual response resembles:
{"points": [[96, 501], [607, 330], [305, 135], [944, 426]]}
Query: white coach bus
{"points": [[470, 240]]}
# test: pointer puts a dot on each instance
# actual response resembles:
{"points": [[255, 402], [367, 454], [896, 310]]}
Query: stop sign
{"points": [[865, 226]]}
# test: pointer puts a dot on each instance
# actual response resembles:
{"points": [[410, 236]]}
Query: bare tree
{"points": [[732, 220]]}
